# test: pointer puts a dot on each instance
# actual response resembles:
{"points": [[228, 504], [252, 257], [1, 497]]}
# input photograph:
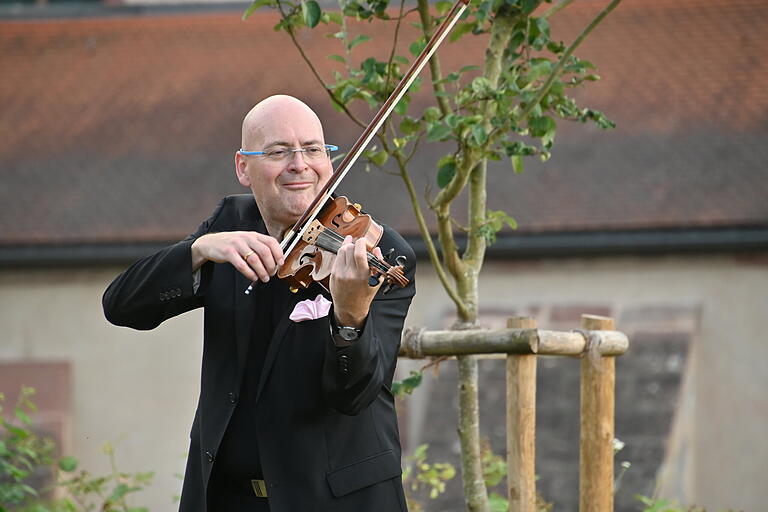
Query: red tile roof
{"points": [[122, 128]]}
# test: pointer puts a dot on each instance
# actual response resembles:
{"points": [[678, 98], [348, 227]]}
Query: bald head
{"points": [[283, 187], [275, 115]]}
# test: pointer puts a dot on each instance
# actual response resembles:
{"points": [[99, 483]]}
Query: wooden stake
{"points": [[598, 382], [521, 425]]}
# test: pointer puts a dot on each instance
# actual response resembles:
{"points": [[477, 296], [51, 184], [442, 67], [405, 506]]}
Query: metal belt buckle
{"points": [[260, 488]]}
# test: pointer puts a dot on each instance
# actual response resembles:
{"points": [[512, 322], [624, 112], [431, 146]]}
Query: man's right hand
{"points": [[253, 254]]}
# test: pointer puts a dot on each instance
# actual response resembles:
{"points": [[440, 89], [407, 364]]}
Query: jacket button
{"points": [[210, 456], [177, 292], [232, 398], [163, 296]]}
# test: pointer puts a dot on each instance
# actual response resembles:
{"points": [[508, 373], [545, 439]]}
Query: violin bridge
{"points": [[314, 230]]}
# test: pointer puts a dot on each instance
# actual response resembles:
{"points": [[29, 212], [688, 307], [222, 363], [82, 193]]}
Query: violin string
{"points": [[335, 240]]}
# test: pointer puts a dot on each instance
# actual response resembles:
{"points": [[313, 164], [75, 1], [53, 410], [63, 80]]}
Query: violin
{"points": [[305, 265], [311, 259]]}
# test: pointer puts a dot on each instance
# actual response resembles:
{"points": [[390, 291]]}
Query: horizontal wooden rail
{"points": [[420, 343]]}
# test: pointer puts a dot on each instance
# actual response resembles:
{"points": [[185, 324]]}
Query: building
{"points": [[117, 135]]}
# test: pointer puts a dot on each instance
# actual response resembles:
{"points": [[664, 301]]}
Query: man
{"points": [[293, 415]]}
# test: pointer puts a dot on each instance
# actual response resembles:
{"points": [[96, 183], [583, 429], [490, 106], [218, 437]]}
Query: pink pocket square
{"points": [[311, 309]]}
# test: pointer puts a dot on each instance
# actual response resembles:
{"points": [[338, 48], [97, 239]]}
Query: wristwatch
{"points": [[343, 335]]}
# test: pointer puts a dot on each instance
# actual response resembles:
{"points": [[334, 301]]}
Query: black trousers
{"points": [[226, 495]]}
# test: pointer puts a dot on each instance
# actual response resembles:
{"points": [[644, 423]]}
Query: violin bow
{"points": [[292, 237]]}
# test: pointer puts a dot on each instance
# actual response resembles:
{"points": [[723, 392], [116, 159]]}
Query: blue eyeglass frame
{"points": [[329, 147]]}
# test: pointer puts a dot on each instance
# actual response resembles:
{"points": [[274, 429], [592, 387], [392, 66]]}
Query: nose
{"points": [[297, 161]]}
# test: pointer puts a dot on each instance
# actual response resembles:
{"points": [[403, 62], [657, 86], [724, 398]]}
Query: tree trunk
{"points": [[475, 493]]}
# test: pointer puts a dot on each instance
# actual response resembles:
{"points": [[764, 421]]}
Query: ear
{"points": [[240, 170]]}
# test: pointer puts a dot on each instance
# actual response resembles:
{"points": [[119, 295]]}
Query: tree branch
{"points": [[434, 62], [424, 230], [566, 55], [312, 68], [476, 242], [556, 8]]}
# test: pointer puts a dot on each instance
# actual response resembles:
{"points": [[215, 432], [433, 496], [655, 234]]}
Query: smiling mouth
{"points": [[299, 185]]}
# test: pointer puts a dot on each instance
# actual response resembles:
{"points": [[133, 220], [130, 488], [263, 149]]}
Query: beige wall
{"points": [[135, 389], [139, 388]]}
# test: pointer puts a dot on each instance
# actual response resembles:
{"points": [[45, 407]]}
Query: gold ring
{"points": [[247, 256]]}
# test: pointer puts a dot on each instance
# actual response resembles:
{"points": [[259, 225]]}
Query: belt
{"points": [[259, 488]]}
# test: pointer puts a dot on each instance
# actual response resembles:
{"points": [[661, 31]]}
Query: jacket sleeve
{"points": [[353, 376], [159, 286]]}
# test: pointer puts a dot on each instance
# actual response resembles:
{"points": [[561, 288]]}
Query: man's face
{"points": [[284, 189]]}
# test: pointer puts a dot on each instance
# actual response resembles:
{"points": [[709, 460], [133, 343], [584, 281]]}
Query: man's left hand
{"points": [[351, 293]]}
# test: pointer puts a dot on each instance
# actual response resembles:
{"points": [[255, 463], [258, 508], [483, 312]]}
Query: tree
{"points": [[506, 108]]}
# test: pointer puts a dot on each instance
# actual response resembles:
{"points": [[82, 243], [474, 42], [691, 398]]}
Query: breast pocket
{"points": [[363, 473]]}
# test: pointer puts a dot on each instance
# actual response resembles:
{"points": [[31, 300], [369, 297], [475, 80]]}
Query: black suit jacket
{"points": [[327, 430]]}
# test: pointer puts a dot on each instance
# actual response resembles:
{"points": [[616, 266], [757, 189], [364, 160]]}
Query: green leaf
{"points": [[68, 464], [498, 503], [402, 106], [379, 158], [445, 173], [517, 163], [347, 93], [357, 40], [121, 490], [338, 58], [539, 68], [469, 68], [310, 10], [255, 5], [443, 6], [17, 431], [459, 30], [334, 17], [481, 85], [543, 127], [416, 47], [409, 125], [529, 5], [479, 135], [407, 385], [453, 120], [22, 416], [438, 131], [431, 114]]}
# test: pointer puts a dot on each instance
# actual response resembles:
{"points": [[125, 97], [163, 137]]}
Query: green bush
{"points": [[25, 456]]}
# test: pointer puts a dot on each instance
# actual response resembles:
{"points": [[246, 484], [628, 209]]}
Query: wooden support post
{"points": [[598, 382], [521, 425]]}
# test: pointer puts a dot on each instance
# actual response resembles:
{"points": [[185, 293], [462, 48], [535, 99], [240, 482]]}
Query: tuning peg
{"points": [[387, 288], [401, 260]]}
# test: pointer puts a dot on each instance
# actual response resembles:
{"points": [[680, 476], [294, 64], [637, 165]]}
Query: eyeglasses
{"points": [[313, 153]]}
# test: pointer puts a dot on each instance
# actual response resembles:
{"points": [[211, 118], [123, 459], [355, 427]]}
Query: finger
{"points": [[346, 251], [360, 257], [265, 257], [256, 264], [244, 269], [377, 252], [253, 261], [274, 248]]}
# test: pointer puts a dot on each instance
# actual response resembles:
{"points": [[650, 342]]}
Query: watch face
{"points": [[348, 333]]}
